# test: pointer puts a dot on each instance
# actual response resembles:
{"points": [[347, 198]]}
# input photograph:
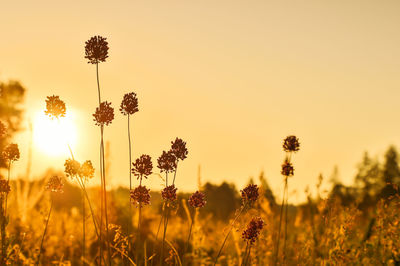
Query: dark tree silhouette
{"points": [[391, 173]]}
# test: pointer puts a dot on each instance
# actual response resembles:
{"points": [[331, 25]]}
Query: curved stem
{"points": [[44, 233], [280, 223], [176, 169], [98, 82]]}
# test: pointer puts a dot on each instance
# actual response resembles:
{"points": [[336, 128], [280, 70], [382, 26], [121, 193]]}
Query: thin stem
{"points": [[98, 82], [8, 182], [165, 232], [130, 184], [3, 232], [138, 242], [83, 227], [44, 233], [158, 230], [176, 169], [286, 221], [280, 223], [245, 254], [188, 240]]}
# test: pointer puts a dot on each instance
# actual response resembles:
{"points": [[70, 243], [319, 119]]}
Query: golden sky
{"points": [[232, 78]]}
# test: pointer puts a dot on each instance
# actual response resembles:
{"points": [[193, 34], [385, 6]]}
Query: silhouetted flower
{"points": [[287, 169], [3, 129], [140, 196], [169, 193], [253, 230], [104, 114], [96, 49], [250, 193], [291, 144], [167, 162], [55, 184], [4, 186], [86, 171], [179, 149], [197, 199], [11, 152], [129, 104], [142, 166], [72, 167], [55, 108]]}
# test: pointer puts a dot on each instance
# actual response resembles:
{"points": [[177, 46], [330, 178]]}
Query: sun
{"points": [[52, 136]]}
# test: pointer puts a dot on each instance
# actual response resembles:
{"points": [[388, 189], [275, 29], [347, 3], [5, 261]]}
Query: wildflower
{"points": [[96, 49], [129, 104], [72, 167], [167, 162], [140, 195], [197, 200], [143, 166], [86, 171], [287, 169], [291, 144], [179, 149], [55, 184], [3, 129], [11, 152], [4, 186], [104, 114], [169, 193], [253, 230], [250, 193], [55, 108]]}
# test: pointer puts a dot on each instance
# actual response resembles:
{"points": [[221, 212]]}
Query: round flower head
{"points": [[197, 199], [55, 184], [167, 162], [129, 104], [11, 152], [4, 186], [179, 149], [253, 230], [104, 114], [287, 169], [86, 171], [72, 167], [291, 144], [250, 193], [96, 50], [3, 129], [169, 193], [142, 166], [55, 108], [140, 196]]}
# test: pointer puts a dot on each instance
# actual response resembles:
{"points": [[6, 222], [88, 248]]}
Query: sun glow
{"points": [[52, 136]]}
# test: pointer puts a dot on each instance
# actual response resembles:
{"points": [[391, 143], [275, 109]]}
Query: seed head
{"points": [[169, 193], [287, 169], [129, 104], [140, 196], [4, 186], [11, 152], [55, 184], [104, 114], [72, 167], [253, 230], [142, 167], [3, 129], [179, 149], [86, 171], [291, 144], [55, 108], [197, 199], [250, 193], [96, 50], [167, 162]]}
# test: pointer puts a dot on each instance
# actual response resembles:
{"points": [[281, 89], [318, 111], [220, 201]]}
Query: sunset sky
{"points": [[232, 78]]}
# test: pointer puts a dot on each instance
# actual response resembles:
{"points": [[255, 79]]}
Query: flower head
{"points": [[96, 49], [55, 184], [250, 193], [55, 108], [104, 114], [291, 144], [179, 149], [167, 162], [169, 193], [3, 129], [11, 152], [142, 167], [287, 169], [140, 196], [129, 104], [197, 199], [86, 171], [4, 186], [253, 230], [72, 167]]}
